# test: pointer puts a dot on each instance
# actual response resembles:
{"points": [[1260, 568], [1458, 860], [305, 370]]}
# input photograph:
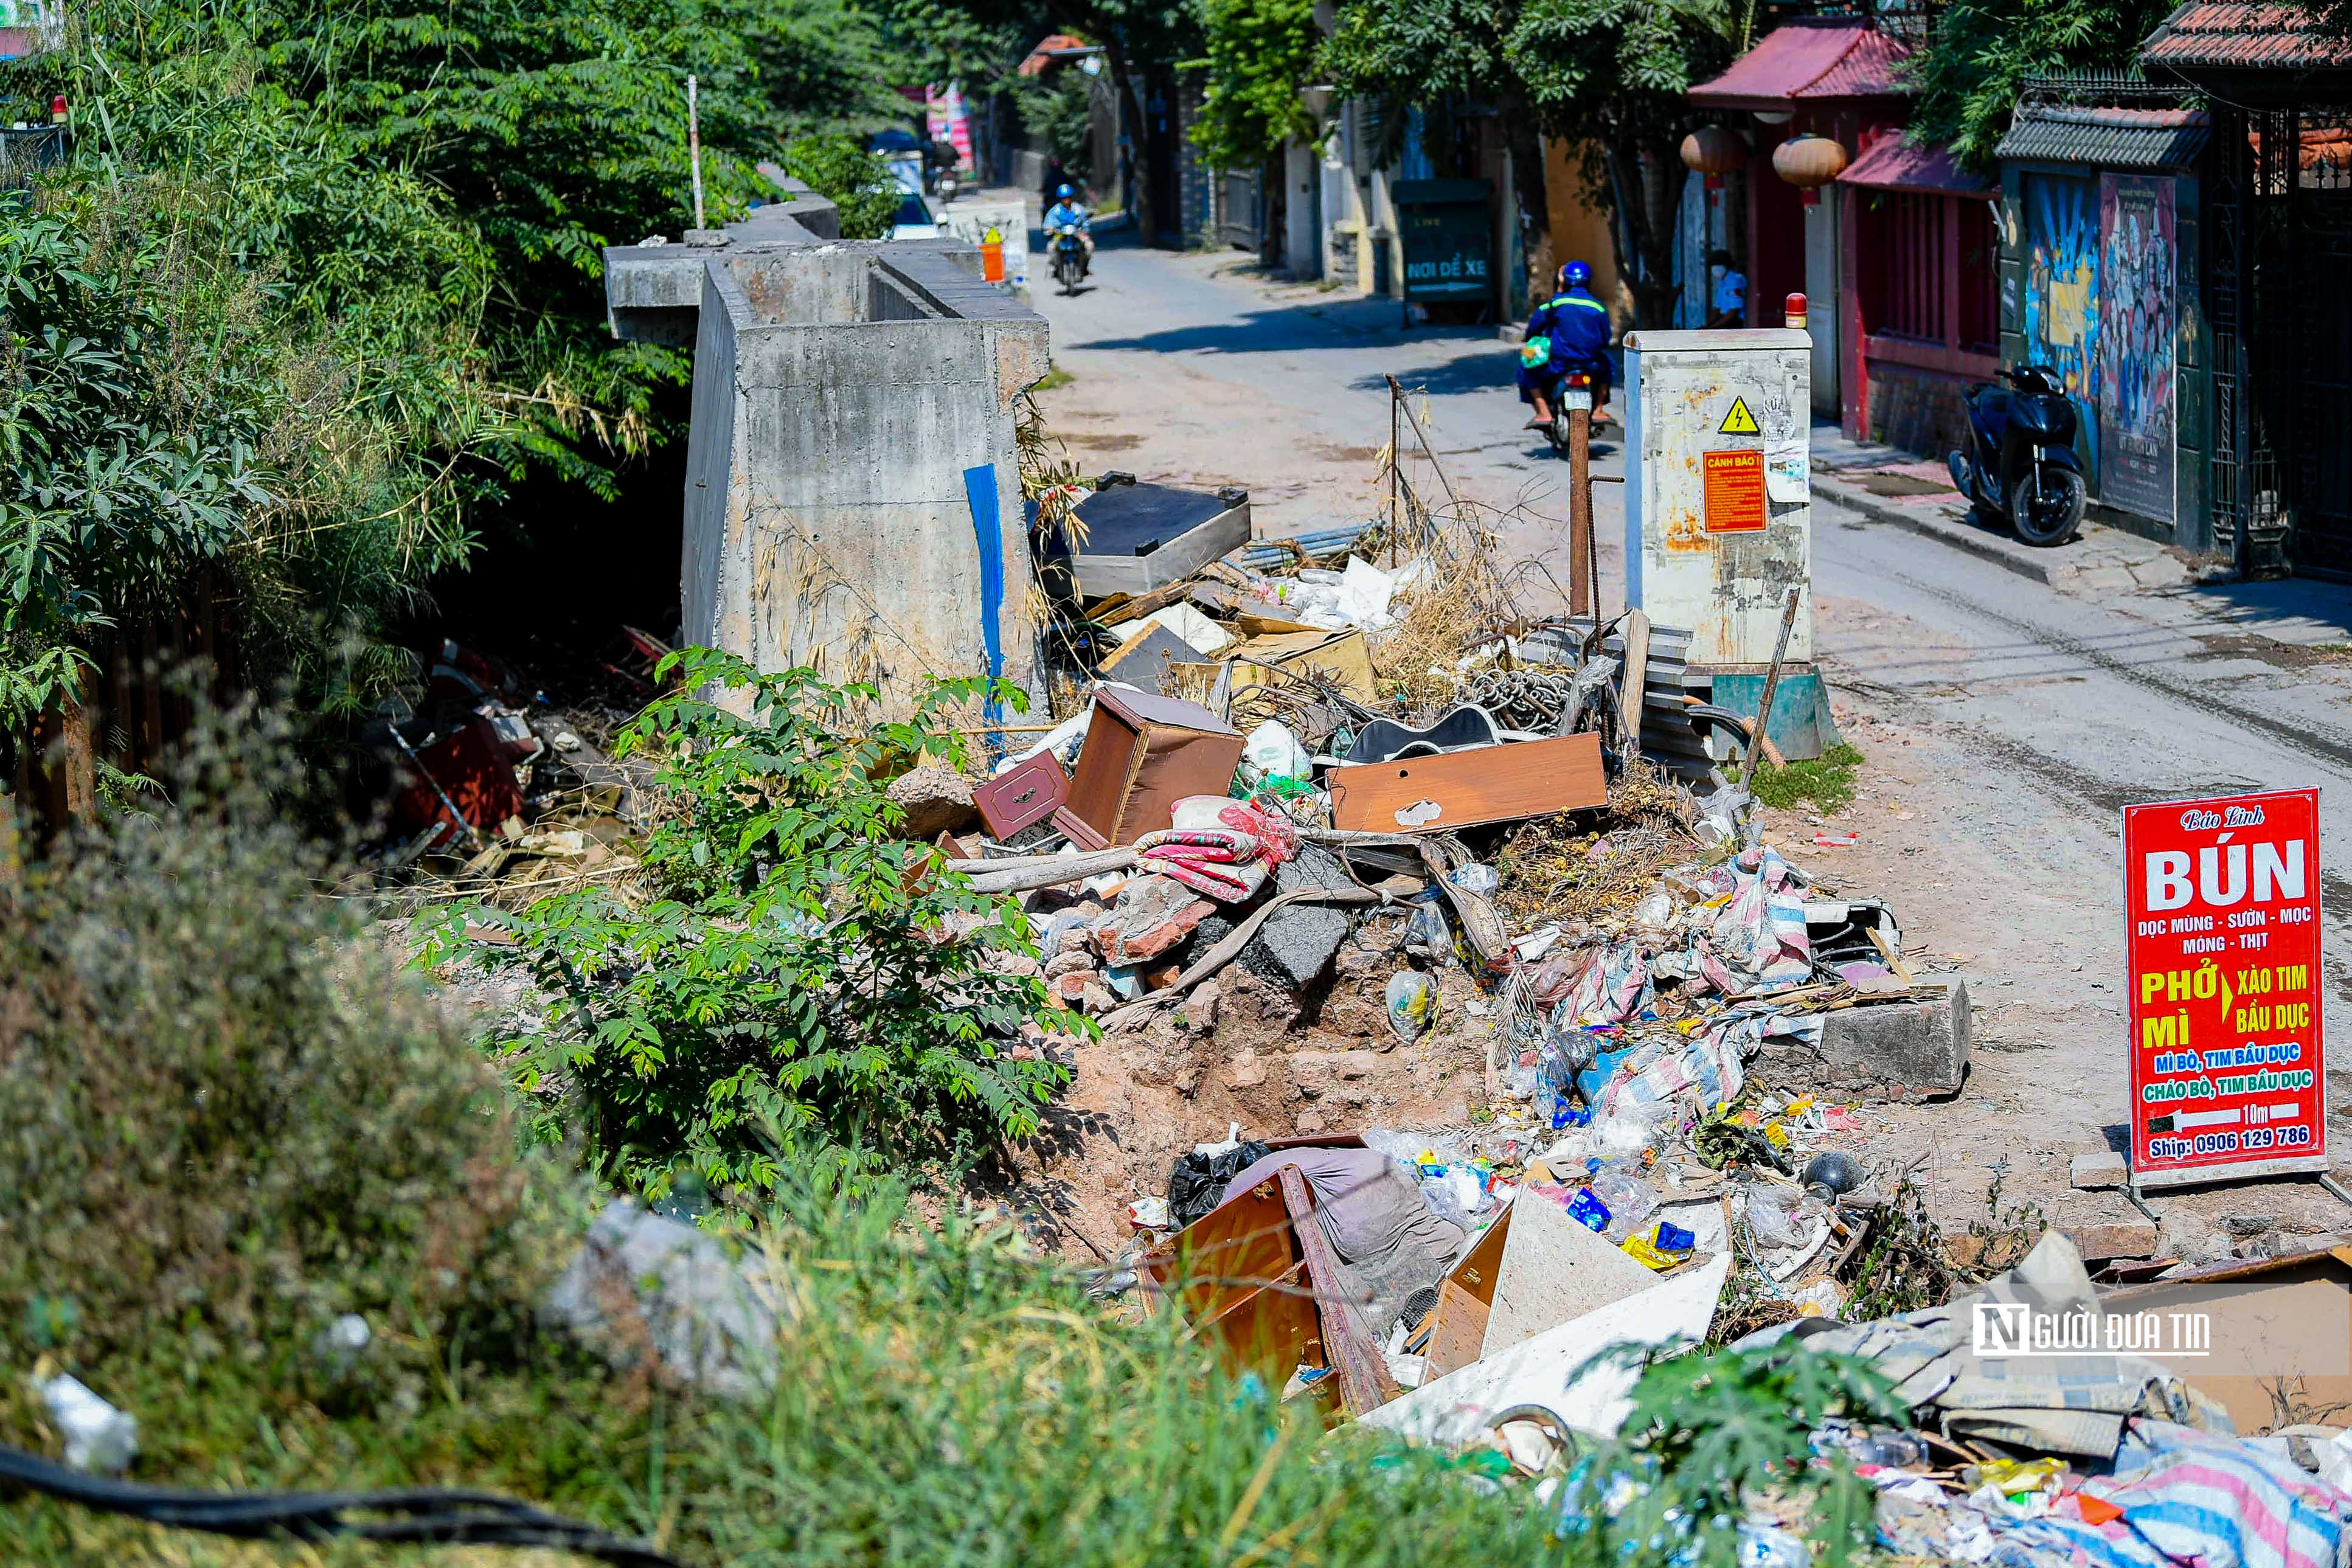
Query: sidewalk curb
{"points": [[1959, 535]]}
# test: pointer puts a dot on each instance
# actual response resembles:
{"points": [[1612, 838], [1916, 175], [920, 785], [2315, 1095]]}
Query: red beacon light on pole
{"points": [[57, 109]]}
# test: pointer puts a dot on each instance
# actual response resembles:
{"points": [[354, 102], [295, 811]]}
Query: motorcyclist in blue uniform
{"points": [[1067, 214], [1576, 326]]}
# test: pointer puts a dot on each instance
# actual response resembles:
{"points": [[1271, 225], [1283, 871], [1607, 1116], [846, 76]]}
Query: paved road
{"points": [[1193, 367]]}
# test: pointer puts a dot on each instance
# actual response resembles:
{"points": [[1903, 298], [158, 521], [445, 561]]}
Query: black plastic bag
{"points": [[1197, 1183]]}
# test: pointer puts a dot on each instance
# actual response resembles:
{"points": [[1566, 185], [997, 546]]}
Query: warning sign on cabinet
{"points": [[1734, 491]]}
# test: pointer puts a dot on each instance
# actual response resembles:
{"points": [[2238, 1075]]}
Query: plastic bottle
{"points": [[1768, 1546], [1629, 1200]]}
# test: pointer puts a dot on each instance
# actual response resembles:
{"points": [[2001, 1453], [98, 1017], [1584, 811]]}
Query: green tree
{"points": [[1982, 51], [319, 284], [1259, 54], [1057, 109], [1607, 75], [1135, 34], [852, 176]]}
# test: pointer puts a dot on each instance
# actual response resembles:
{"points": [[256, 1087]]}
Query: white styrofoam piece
{"points": [[1554, 1271]]}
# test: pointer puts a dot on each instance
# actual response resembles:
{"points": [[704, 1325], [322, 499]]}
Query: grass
{"points": [[1053, 378], [948, 1399], [1828, 780]]}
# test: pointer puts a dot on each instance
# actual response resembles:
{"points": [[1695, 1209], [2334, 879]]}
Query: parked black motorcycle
{"points": [[2020, 461]]}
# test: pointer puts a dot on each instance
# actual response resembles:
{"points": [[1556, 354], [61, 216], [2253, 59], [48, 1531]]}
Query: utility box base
{"points": [[1800, 725]]}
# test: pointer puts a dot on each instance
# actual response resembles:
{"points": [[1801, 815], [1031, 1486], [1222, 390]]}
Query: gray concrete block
{"points": [[1295, 948], [1893, 1051], [2093, 1172]]}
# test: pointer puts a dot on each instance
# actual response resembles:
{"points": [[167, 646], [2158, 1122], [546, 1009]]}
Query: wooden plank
{"points": [[1458, 1327], [1486, 784], [1636, 676]]}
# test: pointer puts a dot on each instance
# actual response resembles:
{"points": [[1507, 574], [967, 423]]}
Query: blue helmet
{"points": [[1574, 274], [1064, 194]]}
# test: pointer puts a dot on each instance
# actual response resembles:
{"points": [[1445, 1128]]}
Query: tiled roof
{"points": [[1894, 164], [2106, 138], [1806, 60], [2206, 35]]}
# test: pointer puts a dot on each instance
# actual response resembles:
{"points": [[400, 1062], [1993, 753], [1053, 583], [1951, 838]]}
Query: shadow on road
{"points": [[1472, 372]]}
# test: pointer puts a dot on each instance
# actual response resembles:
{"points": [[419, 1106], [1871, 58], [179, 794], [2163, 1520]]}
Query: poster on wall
{"points": [[2062, 294], [2137, 344], [946, 120]]}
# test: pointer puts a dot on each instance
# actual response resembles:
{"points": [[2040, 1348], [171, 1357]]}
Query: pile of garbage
{"points": [[1272, 757], [498, 791]]}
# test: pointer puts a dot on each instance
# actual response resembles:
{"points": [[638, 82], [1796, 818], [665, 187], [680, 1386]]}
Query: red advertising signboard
{"points": [[2228, 1075]]}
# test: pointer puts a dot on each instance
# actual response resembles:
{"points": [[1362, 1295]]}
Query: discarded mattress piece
{"points": [[1566, 1370], [1374, 1216], [2051, 1405]]}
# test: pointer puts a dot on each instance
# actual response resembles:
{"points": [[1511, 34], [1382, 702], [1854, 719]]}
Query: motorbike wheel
{"points": [[1557, 434], [2051, 513]]}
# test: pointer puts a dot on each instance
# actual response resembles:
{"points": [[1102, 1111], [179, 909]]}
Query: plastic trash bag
{"points": [[1772, 1215], [1197, 1183], [1275, 753], [1412, 997]]}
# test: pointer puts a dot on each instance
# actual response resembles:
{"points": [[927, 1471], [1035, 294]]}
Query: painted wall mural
{"points": [[2138, 343], [2062, 293]]}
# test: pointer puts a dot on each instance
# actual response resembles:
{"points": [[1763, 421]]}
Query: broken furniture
{"points": [[1139, 537], [1142, 754], [1465, 788], [1021, 796], [1257, 1274]]}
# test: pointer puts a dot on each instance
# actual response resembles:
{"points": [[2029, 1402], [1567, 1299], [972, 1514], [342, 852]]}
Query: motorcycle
{"points": [[1069, 259], [1574, 393], [2020, 462]]}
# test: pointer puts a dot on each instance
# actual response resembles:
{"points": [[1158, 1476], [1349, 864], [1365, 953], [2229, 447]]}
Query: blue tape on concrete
{"points": [[980, 489]]}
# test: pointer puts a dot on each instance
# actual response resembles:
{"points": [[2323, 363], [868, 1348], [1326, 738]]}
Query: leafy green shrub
{"points": [[785, 976], [226, 1118], [853, 177]]}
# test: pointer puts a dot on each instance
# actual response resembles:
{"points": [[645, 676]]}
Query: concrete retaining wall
{"points": [[852, 402]]}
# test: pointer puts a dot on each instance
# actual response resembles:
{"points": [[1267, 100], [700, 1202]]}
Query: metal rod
{"points": [[2334, 1186], [1428, 447], [456, 817], [1771, 685], [694, 144], [1395, 432]]}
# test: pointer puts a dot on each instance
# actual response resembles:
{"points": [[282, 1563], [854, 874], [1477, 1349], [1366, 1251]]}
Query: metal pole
{"points": [[1421, 436], [1396, 514], [1583, 562], [694, 144], [1771, 685]]}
